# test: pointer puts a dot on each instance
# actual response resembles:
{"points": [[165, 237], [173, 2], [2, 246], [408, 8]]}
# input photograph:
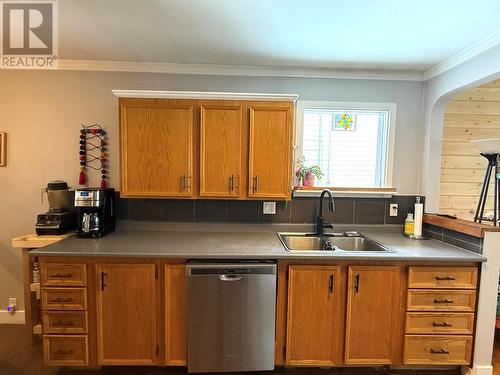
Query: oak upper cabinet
{"points": [[270, 149], [315, 312], [126, 314], [175, 314], [157, 146], [221, 149], [375, 312]]}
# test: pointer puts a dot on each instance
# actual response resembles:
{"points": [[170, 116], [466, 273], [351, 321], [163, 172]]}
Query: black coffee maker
{"points": [[95, 211]]}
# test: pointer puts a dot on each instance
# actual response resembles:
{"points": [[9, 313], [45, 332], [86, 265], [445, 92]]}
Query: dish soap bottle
{"points": [[409, 224]]}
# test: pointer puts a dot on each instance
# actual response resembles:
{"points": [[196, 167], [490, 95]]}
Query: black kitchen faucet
{"points": [[320, 223]]}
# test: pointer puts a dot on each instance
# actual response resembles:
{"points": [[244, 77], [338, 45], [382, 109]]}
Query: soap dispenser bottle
{"points": [[409, 224]]}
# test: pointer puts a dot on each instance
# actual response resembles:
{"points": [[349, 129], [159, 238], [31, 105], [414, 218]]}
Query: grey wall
{"points": [[42, 111]]}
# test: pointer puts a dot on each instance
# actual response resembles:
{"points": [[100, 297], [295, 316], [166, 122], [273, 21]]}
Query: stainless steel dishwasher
{"points": [[231, 316]]}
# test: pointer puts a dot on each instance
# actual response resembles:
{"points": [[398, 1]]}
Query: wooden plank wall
{"points": [[472, 114]]}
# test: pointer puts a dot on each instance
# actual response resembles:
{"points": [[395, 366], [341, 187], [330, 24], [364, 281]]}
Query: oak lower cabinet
{"points": [[374, 315], [127, 314], [315, 315], [175, 314], [270, 148], [157, 148], [64, 295], [441, 306]]}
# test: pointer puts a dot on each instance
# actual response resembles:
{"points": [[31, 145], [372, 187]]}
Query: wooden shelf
{"points": [[34, 241], [35, 287], [37, 329], [459, 225]]}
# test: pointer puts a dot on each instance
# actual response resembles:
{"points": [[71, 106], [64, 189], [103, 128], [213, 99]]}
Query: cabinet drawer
{"points": [[442, 277], [63, 274], [64, 299], [65, 322], [440, 323], [65, 350], [442, 300], [437, 350]]}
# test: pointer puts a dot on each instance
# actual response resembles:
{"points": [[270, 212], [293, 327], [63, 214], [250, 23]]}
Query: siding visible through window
{"points": [[348, 158]]}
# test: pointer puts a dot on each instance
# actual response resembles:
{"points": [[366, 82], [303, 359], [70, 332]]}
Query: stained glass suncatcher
{"points": [[344, 121]]}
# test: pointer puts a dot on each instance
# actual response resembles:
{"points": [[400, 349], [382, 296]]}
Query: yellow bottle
{"points": [[409, 224]]}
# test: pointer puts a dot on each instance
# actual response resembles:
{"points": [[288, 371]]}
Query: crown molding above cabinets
{"points": [[197, 95]]}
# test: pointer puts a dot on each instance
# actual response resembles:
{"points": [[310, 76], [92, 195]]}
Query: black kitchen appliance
{"points": [[95, 212], [61, 216]]}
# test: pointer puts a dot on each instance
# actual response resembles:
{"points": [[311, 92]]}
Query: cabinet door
{"points": [[374, 312], [175, 314], [156, 149], [221, 132], [270, 149], [126, 314], [315, 315]]}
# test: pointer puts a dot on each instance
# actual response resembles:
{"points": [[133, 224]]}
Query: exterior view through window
{"points": [[350, 146]]}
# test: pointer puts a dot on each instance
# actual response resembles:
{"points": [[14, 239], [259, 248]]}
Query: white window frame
{"points": [[331, 105]]}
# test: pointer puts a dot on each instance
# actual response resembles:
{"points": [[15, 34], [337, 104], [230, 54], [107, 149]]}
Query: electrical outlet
{"points": [[393, 209], [269, 208]]}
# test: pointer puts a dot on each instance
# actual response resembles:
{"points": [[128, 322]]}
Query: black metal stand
{"points": [[492, 163]]}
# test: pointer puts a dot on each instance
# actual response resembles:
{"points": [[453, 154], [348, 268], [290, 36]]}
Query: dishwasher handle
{"points": [[230, 277]]}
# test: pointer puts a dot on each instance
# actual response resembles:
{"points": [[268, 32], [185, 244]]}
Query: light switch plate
{"points": [[393, 209], [269, 208]]}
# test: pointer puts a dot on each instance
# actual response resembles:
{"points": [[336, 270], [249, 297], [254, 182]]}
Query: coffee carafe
{"points": [[96, 212]]}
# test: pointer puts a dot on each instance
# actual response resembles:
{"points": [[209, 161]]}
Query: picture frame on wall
{"points": [[3, 149]]}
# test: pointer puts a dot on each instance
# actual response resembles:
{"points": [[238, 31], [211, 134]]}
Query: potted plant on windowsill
{"points": [[307, 175]]}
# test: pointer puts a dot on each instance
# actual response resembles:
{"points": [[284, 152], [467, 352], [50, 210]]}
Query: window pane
{"points": [[353, 157]]}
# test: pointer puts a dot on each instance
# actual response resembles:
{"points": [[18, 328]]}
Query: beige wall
{"points": [[472, 114], [42, 111]]}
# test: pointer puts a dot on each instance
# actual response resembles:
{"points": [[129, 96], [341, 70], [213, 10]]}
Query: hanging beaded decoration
{"points": [[93, 152]]}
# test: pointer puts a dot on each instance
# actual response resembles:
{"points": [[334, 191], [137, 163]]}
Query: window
{"points": [[351, 142]]}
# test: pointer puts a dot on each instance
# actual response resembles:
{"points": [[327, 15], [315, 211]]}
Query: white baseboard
{"points": [[8, 318], [477, 370]]}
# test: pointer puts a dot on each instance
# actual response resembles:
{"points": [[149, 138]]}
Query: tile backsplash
{"points": [[298, 210]]}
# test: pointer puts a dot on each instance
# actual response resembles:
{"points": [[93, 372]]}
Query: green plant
{"points": [[303, 170]]}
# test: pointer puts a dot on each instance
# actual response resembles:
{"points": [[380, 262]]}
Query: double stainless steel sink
{"points": [[348, 241]]}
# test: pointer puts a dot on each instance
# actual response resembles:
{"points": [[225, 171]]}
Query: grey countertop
{"points": [[244, 242]]}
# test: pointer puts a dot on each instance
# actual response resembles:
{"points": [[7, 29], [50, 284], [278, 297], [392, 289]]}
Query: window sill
{"points": [[345, 192]]}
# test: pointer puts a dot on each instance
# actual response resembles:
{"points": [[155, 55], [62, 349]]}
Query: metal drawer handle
{"points": [[445, 278], [65, 352], [62, 300], [443, 300], [61, 276], [330, 284], [64, 323], [255, 183], [230, 277], [439, 351], [443, 324]]}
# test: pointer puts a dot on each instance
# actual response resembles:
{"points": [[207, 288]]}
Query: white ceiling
{"points": [[368, 34]]}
